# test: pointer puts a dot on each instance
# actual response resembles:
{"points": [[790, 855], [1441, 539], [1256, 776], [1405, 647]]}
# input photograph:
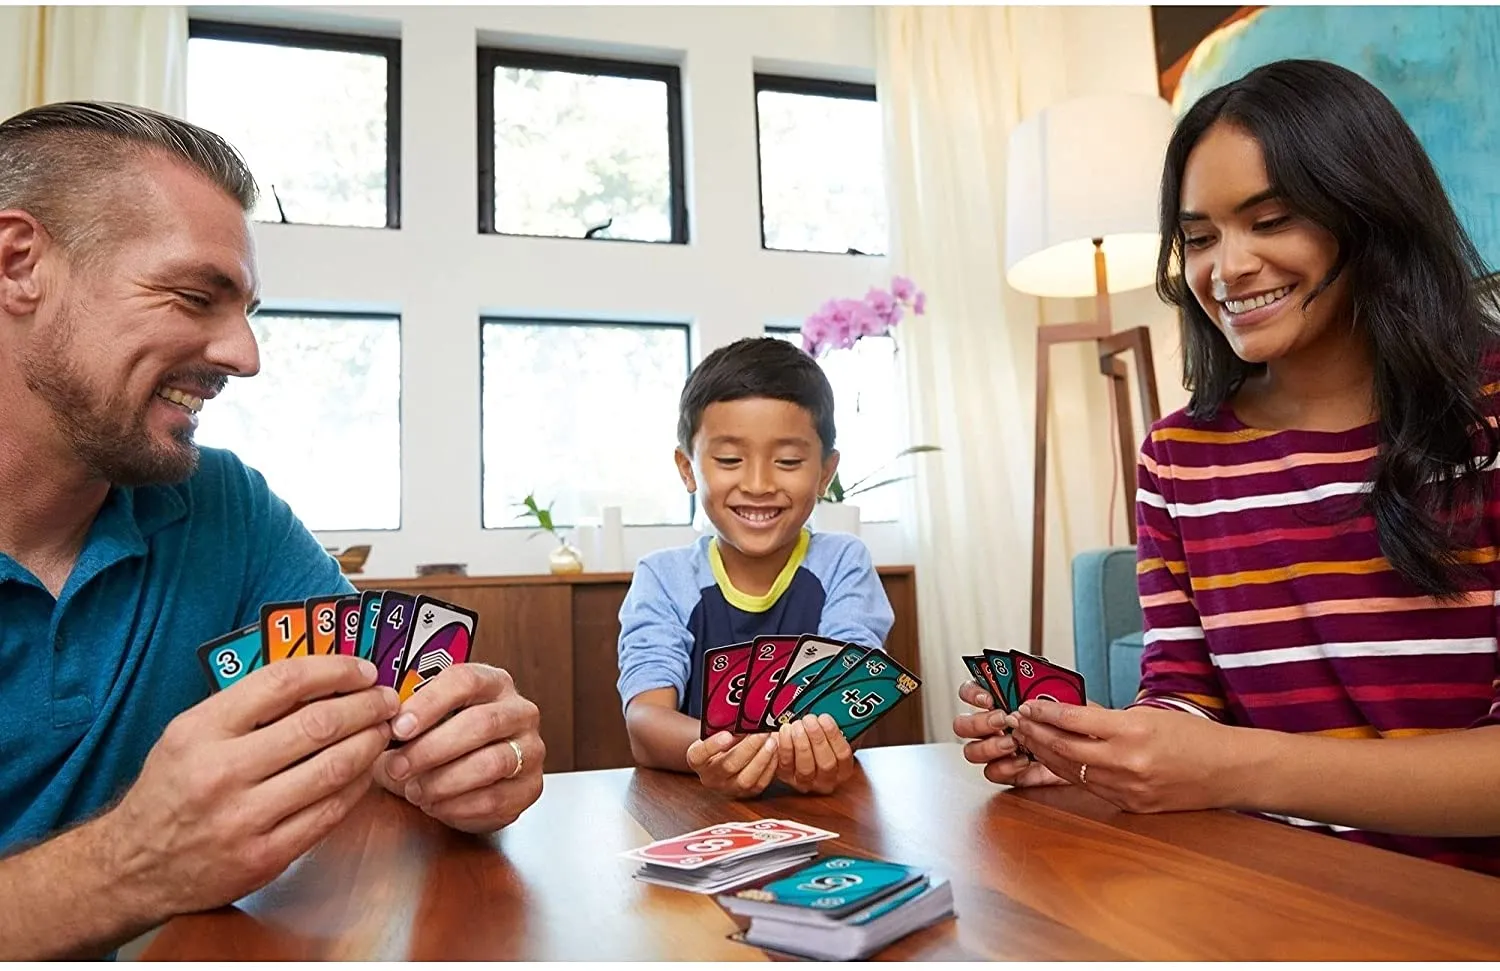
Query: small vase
{"points": [[836, 517], [565, 559]]}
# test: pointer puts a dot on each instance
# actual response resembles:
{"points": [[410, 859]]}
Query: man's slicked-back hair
{"points": [[63, 162], [757, 367]]}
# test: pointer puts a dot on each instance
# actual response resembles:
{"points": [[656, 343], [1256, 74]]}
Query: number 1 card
{"points": [[283, 630]]}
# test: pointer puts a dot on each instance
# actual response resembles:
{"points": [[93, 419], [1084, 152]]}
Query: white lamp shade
{"points": [[1085, 169]]}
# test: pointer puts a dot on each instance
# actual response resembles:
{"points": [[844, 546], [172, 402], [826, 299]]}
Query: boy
{"points": [[755, 439]]}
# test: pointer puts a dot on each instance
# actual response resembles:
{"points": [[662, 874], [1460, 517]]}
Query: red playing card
{"points": [[723, 688], [703, 847], [769, 658], [801, 832], [1037, 678], [989, 679]]}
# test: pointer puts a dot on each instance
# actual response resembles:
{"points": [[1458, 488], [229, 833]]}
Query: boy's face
{"points": [[758, 469]]}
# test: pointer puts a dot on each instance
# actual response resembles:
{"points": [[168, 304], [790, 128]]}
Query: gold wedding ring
{"points": [[520, 759]]}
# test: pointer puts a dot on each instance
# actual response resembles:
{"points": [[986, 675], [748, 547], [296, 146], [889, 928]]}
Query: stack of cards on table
{"points": [[841, 908], [410, 639], [765, 683], [1013, 677], [727, 855]]}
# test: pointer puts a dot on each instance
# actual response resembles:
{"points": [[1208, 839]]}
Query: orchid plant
{"points": [[840, 323]]}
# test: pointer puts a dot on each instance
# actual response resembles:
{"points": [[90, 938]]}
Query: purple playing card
{"points": [[392, 631]]}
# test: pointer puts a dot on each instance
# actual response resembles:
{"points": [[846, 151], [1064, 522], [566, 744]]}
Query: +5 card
{"points": [[392, 631], [283, 630], [441, 636], [863, 694], [723, 688], [228, 658], [322, 624], [769, 657], [809, 659]]}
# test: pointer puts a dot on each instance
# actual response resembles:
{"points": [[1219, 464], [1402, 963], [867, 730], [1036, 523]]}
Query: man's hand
{"points": [[478, 770], [737, 769], [992, 747], [1142, 759], [245, 782], [813, 756]]}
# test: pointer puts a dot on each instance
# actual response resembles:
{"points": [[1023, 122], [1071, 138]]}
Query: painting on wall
{"points": [[1439, 65]]}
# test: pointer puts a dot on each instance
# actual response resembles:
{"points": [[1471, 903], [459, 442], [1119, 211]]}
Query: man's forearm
{"points": [[659, 737], [64, 899], [1430, 785]]}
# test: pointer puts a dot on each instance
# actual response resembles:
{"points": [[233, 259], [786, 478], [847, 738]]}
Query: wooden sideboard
{"points": [[557, 636]]}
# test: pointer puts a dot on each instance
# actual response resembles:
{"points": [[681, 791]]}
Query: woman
{"points": [[1317, 551]]}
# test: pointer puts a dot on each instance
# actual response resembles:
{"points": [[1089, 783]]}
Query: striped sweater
{"points": [[1268, 604]]}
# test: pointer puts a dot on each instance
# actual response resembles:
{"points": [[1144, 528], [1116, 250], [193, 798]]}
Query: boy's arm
{"points": [[857, 609], [659, 733], [655, 651]]}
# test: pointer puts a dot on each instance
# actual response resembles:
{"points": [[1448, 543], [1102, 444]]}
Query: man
{"points": [[127, 276]]}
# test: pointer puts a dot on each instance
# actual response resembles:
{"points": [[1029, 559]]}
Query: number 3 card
{"points": [[228, 658]]}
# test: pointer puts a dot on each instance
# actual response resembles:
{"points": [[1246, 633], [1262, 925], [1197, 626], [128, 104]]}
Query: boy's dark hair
{"points": [[757, 367]]}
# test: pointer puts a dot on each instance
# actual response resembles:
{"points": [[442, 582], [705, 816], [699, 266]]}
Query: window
{"points": [[580, 147], [584, 414], [822, 168], [870, 427], [316, 115], [322, 419]]}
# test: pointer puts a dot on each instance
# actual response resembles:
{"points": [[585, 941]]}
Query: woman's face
{"points": [[1249, 260]]}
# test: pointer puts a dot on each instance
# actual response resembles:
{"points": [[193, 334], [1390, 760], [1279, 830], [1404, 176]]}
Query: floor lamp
{"points": [[1081, 221]]}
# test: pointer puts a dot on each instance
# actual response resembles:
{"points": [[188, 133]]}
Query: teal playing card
{"points": [[228, 658], [1004, 671], [811, 681], [835, 886], [369, 623], [862, 695]]}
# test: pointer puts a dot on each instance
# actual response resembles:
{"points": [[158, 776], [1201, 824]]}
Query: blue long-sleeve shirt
{"points": [[681, 603]]}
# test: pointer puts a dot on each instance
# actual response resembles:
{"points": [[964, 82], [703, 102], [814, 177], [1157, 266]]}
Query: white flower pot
{"points": [[836, 517]]}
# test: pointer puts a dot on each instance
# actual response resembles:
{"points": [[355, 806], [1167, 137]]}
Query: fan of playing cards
{"points": [[1013, 677], [768, 682], [410, 639]]}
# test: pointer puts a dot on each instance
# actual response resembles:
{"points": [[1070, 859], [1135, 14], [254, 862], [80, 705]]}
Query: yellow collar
{"points": [[744, 601]]}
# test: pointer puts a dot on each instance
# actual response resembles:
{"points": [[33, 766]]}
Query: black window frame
{"points": [[816, 87], [491, 58], [387, 47], [534, 319], [303, 313]]}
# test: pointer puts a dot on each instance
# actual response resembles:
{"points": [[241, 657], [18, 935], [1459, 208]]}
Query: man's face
{"points": [[134, 337]]}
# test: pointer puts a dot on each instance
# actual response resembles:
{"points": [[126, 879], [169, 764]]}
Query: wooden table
{"points": [[1046, 874]]}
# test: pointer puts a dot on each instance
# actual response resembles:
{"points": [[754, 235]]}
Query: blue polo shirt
{"points": [[89, 680]]}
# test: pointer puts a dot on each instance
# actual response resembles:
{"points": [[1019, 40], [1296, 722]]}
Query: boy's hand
{"points": [[738, 769], [814, 756]]}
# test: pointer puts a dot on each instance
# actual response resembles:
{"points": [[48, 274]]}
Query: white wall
{"points": [[440, 274]]}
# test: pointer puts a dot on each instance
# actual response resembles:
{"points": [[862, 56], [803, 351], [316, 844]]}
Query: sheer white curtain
{"points": [[953, 82], [132, 54]]}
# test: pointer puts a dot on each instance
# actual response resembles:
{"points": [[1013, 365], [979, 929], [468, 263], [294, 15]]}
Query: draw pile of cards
{"points": [[727, 855], [841, 908], [410, 639], [761, 685]]}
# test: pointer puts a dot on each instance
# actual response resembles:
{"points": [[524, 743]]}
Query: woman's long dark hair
{"points": [[1339, 154]]}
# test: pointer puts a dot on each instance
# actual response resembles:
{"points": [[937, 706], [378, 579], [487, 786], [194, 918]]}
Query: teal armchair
{"points": [[1107, 637]]}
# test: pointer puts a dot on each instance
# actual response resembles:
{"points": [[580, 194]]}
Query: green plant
{"points": [[838, 493], [542, 516]]}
